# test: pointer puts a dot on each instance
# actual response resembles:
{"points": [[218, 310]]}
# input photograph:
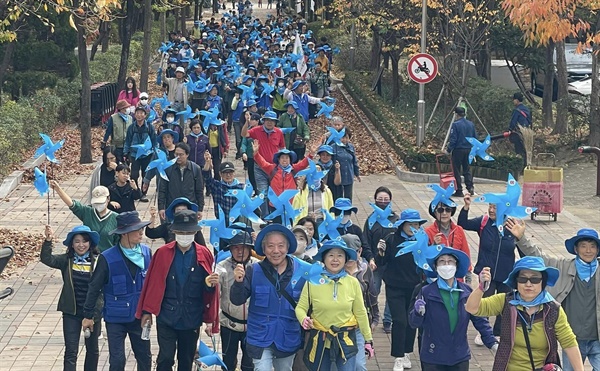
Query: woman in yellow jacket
{"points": [[333, 311], [312, 199]]}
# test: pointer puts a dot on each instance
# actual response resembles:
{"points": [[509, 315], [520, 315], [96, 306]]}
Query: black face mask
{"points": [[382, 205]]}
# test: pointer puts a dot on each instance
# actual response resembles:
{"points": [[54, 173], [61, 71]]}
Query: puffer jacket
{"points": [[230, 311]]}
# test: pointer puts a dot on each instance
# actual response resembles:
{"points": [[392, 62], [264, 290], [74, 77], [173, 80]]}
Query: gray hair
{"points": [[264, 241]]}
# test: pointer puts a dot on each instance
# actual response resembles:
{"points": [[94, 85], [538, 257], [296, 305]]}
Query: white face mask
{"points": [[446, 271], [170, 120], [301, 248], [100, 207], [345, 219], [184, 239]]}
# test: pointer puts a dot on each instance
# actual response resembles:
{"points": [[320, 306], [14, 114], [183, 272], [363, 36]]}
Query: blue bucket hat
{"points": [[246, 78], [173, 60], [585, 233], [291, 103], [211, 87], [297, 83], [325, 148], [275, 228], [336, 244], [533, 263], [212, 65], [128, 222], [343, 204], [284, 151], [170, 211], [410, 215], [462, 260], [214, 51], [251, 103], [82, 229], [173, 133], [269, 115]]}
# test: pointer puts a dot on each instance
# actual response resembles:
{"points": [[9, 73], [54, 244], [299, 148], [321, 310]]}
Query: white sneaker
{"points": [[478, 340], [406, 361], [399, 364]]}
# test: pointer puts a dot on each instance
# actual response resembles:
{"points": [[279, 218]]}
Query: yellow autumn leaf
{"points": [[72, 22]]}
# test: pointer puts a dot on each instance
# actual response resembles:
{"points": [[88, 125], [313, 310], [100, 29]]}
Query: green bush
{"points": [[105, 66], [27, 82], [44, 56], [19, 128]]}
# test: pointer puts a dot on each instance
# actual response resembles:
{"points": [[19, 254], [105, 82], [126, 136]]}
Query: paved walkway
{"points": [[30, 326]]}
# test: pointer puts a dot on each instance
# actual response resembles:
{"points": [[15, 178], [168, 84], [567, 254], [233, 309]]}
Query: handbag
{"points": [[546, 367]]}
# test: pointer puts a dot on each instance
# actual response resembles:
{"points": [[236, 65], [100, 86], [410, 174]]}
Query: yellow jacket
{"points": [[301, 201]]}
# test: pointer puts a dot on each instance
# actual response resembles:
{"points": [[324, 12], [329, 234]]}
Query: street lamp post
{"points": [[421, 101]]}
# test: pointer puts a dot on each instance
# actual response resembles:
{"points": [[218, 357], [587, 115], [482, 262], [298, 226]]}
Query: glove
{"points": [[369, 350], [494, 349], [420, 306]]}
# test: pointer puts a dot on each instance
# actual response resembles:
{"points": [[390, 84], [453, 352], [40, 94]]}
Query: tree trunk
{"points": [[146, 46], [375, 52], [548, 120], [196, 10], [182, 22], [106, 40], [126, 44], [85, 116], [9, 50], [395, 78], [594, 138], [104, 32], [163, 26], [562, 107]]}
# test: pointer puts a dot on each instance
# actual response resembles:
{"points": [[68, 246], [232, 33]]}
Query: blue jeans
{"points": [[378, 279], [350, 365], [116, 333], [267, 362], [589, 349], [361, 357]]}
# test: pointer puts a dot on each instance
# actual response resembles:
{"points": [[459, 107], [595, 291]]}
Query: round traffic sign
{"points": [[422, 68]]}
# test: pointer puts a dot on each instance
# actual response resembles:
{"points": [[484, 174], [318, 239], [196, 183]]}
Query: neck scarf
{"points": [[287, 169], [443, 285], [346, 226], [197, 135], [123, 116], [543, 297], [233, 183], [134, 255], [267, 130], [335, 278], [81, 259], [585, 271], [325, 165], [411, 238]]}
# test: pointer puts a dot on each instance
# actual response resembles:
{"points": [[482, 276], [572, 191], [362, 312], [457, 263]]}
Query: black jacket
{"points": [[401, 271], [190, 185], [66, 302], [377, 232], [124, 196]]}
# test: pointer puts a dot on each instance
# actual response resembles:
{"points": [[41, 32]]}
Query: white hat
{"points": [[143, 95], [100, 194], [180, 69]]}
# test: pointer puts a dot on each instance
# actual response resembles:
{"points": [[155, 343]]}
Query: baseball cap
{"points": [[180, 69], [100, 194], [226, 166]]}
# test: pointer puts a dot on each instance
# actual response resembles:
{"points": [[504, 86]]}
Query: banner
{"points": [[301, 63]]}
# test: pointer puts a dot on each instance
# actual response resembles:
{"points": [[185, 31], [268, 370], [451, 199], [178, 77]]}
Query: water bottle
{"points": [[87, 333], [146, 331]]}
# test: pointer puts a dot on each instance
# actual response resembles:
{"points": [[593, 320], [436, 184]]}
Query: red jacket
{"points": [[156, 282], [280, 181], [456, 238]]}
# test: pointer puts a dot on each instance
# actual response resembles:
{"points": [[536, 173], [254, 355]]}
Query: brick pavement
{"points": [[30, 327]]}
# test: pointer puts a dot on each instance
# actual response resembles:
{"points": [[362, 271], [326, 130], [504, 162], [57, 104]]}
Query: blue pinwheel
{"points": [[380, 216], [312, 273], [218, 229], [442, 195], [257, 54], [287, 130], [420, 249], [335, 136], [164, 47], [205, 56], [267, 89], [480, 148], [336, 50], [210, 118], [187, 114], [329, 226], [247, 91], [295, 57], [144, 149], [164, 102], [192, 64], [326, 110], [159, 73], [507, 204], [283, 206], [222, 255], [209, 357], [245, 205], [48, 148], [312, 174], [40, 182], [274, 63], [161, 164]]}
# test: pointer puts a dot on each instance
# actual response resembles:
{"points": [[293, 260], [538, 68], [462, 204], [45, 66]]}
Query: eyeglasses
{"points": [[442, 209], [445, 262], [533, 280], [382, 200]]}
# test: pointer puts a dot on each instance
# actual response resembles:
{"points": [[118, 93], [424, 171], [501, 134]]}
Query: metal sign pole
{"points": [[421, 102]]}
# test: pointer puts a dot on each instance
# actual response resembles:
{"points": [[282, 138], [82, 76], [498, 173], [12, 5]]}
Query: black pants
{"points": [[497, 287], [138, 166], [215, 152], [250, 168], [463, 366], [71, 333], [517, 141], [460, 162], [171, 340], [231, 341], [403, 336], [343, 191], [300, 152], [116, 333]]}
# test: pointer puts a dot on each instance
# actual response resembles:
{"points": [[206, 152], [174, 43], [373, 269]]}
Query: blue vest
{"points": [[264, 102], [272, 319], [302, 101], [122, 293]]}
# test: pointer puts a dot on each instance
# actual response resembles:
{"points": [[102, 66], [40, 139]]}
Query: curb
{"points": [[12, 181], [401, 174]]}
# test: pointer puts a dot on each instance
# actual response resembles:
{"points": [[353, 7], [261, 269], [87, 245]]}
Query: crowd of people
{"points": [[303, 297]]}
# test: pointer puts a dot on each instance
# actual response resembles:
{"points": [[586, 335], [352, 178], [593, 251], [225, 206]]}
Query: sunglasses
{"points": [[143, 98], [442, 209], [533, 280]]}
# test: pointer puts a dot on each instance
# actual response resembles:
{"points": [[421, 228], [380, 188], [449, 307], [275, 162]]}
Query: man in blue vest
{"points": [[296, 93], [460, 148], [274, 335], [119, 275]]}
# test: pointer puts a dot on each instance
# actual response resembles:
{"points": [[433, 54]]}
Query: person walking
{"points": [[520, 118], [459, 148]]}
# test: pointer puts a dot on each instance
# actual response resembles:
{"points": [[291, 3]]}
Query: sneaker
{"points": [[478, 340], [101, 336], [144, 199], [387, 328], [399, 364], [458, 194], [471, 191], [406, 361]]}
